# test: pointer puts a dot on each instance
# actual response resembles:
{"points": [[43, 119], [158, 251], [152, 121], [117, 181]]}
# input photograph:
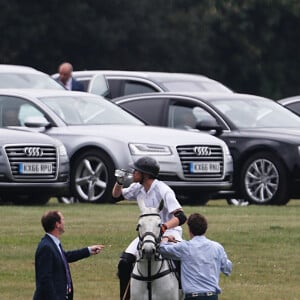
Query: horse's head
{"points": [[149, 230]]}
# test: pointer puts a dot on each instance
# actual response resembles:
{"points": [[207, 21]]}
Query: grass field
{"points": [[262, 242]]}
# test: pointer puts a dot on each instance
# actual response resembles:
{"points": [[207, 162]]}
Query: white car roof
{"points": [[143, 74], [42, 92], [18, 69]]}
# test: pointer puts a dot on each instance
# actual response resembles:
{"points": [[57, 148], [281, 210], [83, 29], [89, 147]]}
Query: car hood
{"points": [[288, 134], [145, 134], [11, 136]]}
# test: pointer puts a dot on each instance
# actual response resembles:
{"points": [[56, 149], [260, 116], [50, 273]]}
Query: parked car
{"points": [[13, 76], [291, 103], [101, 137], [114, 84], [34, 167], [262, 136]]}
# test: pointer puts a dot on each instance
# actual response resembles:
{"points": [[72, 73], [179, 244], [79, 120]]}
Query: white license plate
{"points": [[35, 168], [205, 167]]}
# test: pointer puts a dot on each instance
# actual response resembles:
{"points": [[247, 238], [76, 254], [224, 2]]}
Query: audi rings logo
{"points": [[202, 151], [33, 151]]}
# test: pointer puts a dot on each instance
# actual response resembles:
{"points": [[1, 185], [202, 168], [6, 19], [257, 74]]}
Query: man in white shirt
{"points": [[147, 188]]}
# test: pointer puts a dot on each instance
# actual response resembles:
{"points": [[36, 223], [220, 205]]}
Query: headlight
{"points": [[226, 150], [149, 149], [62, 150]]}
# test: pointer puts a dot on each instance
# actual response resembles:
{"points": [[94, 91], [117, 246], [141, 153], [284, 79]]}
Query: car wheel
{"points": [[92, 177], [264, 180]]}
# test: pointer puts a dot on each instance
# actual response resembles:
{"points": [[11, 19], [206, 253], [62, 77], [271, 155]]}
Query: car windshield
{"points": [[28, 81], [195, 86], [83, 110], [255, 113]]}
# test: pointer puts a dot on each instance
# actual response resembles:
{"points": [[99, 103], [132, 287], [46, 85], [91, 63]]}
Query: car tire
{"points": [[92, 177], [264, 180]]}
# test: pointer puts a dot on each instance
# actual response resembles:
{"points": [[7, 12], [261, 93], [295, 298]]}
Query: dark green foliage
{"points": [[251, 46]]}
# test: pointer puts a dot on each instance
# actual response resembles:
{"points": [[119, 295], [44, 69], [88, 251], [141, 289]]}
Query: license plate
{"points": [[205, 167], [35, 168]]}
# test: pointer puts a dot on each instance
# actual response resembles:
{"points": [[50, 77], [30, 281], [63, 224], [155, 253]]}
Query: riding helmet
{"points": [[147, 165]]}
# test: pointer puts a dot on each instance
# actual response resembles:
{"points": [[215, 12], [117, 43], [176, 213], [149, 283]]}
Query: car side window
{"points": [[187, 117], [114, 88], [135, 87], [294, 107], [14, 111], [181, 117], [144, 109]]}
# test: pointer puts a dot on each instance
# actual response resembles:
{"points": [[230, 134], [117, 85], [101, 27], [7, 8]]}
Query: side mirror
{"points": [[37, 122], [208, 125]]}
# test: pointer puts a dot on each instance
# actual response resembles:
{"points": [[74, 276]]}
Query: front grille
{"points": [[37, 155], [190, 154]]}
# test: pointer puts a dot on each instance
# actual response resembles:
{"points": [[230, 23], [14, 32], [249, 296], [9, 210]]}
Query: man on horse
{"points": [[147, 188]]}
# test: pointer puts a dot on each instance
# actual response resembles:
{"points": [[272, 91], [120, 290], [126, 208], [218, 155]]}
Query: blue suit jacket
{"points": [[76, 85], [50, 273]]}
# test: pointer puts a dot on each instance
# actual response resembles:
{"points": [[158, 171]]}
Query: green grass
{"points": [[262, 242]]}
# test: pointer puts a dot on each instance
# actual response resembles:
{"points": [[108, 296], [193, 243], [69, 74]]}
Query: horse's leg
{"points": [[165, 288], [138, 290]]}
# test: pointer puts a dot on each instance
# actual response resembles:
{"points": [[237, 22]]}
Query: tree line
{"points": [[250, 46]]}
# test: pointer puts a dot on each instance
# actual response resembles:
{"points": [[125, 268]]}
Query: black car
{"points": [[263, 137]]}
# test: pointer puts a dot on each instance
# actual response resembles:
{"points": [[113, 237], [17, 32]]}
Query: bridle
{"points": [[143, 241], [157, 257]]}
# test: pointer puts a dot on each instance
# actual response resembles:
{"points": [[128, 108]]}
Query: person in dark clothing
{"points": [[52, 273], [65, 78]]}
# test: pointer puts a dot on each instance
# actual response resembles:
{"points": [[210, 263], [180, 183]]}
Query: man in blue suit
{"points": [[65, 78], [52, 273]]}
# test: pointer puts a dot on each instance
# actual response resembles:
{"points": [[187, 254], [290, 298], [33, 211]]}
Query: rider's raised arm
{"points": [[117, 190]]}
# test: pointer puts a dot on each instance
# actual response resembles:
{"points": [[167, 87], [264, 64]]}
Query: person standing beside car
{"points": [[52, 273], [65, 78], [147, 188], [202, 260]]}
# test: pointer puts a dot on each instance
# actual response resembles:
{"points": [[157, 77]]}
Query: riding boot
{"points": [[125, 268]]}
